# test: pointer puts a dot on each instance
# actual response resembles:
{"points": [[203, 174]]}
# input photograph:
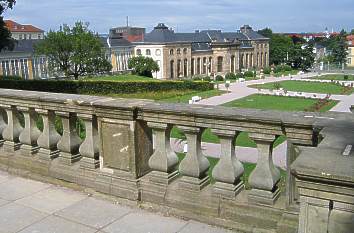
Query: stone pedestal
{"points": [[228, 191], [47, 155], [193, 183], [263, 196], [27, 150], [163, 177], [11, 147]]}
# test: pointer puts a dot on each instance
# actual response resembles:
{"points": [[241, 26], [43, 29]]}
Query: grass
{"points": [[302, 86], [281, 103], [248, 167], [336, 77], [120, 78]]}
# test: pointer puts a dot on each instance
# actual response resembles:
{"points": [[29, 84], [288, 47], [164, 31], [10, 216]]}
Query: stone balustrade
{"points": [[125, 151]]}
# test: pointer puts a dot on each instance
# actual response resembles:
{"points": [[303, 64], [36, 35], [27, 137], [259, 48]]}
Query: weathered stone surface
{"points": [[30, 133]]}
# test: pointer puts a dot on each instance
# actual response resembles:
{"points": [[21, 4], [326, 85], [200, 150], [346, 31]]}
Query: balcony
{"points": [[125, 152]]}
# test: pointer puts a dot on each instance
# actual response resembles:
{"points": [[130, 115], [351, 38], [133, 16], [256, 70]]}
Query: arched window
{"points": [[185, 50], [178, 51], [179, 71], [220, 64], [172, 71], [148, 52], [138, 52], [171, 52], [192, 66], [158, 52], [232, 64]]}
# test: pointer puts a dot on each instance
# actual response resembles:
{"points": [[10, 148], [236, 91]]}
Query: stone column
{"points": [[49, 138], [89, 149], [12, 130], [2, 126], [30, 133], [265, 176], [164, 160], [70, 141], [194, 166], [228, 171]]}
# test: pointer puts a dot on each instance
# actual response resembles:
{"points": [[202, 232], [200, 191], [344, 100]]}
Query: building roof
{"points": [[23, 46], [16, 27], [114, 41], [162, 34]]}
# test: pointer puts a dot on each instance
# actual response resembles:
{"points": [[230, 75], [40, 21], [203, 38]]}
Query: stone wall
{"points": [[126, 152]]}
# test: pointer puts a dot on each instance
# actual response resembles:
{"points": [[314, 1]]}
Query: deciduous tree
{"points": [[6, 42], [74, 51], [143, 66]]}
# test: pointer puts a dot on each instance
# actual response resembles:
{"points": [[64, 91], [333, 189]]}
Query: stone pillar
{"points": [[30, 133], [194, 166], [2, 126], [49, 138], [89, 149], [265, 176], [164, 160], [30, 70], [228, 171], [12, 130], [70, 141]]}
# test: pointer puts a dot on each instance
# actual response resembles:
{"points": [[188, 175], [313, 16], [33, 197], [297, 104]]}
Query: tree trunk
{"points": [[76, 76]]}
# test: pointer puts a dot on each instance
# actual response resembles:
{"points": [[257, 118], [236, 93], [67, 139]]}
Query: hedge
{"points": [[102, 87]]}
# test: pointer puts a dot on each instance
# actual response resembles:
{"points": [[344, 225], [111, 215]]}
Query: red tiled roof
{"points": [[16, 27]]}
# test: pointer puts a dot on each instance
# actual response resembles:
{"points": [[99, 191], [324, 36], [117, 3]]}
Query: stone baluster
{"points": [[89, 149], [30, 133], [265, 177], [49, 138], [164, 160], [194, 166], [228, 171], [2, 125], [70, 142], [12, 130]]}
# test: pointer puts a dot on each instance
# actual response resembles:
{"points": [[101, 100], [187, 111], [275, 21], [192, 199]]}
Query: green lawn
{"points": [[119, 78], [281, 103], [336, 77], [302, 86], [248, 169]]}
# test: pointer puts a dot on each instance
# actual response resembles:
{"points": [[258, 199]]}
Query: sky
{"points": [[189, 15]]}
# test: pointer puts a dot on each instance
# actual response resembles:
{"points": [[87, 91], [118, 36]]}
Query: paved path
{"points": [[28, 206]]}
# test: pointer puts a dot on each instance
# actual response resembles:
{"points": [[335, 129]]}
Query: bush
{"points": [[346, 77], [207, 78], [219, 78], [282, 68], [231, 76], [11, 77], [267, 70], [249, 74], [239, 75], [102, 87]]}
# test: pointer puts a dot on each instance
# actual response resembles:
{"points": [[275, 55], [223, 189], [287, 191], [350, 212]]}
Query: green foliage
{"points": [[102, 87], [267, 70], [282, 68], [219, 78], [239, 75], [230, 76], [143, 66], [6, 41], [74, 51], [276, 86], [249, 74], [11, 77], [346, 77], [266, 32], [302, 58]]}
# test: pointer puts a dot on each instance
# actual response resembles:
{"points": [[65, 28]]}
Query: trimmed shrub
{"points": [[102, 87], [239, 75], [249, 74], [267, 70], [219, 78], [346, 77], [207, 78], [11, 77], [231, 76]]}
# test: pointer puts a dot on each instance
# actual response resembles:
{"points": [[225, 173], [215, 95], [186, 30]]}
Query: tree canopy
{"points": [[74, 51], [288, 50], [143, 66], [6, 42]]}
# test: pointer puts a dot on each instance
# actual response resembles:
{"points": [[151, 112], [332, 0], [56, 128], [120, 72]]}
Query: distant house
{"points": [[24, 32], [350, 59]]}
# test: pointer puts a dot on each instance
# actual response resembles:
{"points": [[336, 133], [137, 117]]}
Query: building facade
{"points": [[350, 58], [208, 53], [24, 32]]}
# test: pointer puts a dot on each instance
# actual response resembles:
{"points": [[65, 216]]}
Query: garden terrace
{"points": [[126, 153]]}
